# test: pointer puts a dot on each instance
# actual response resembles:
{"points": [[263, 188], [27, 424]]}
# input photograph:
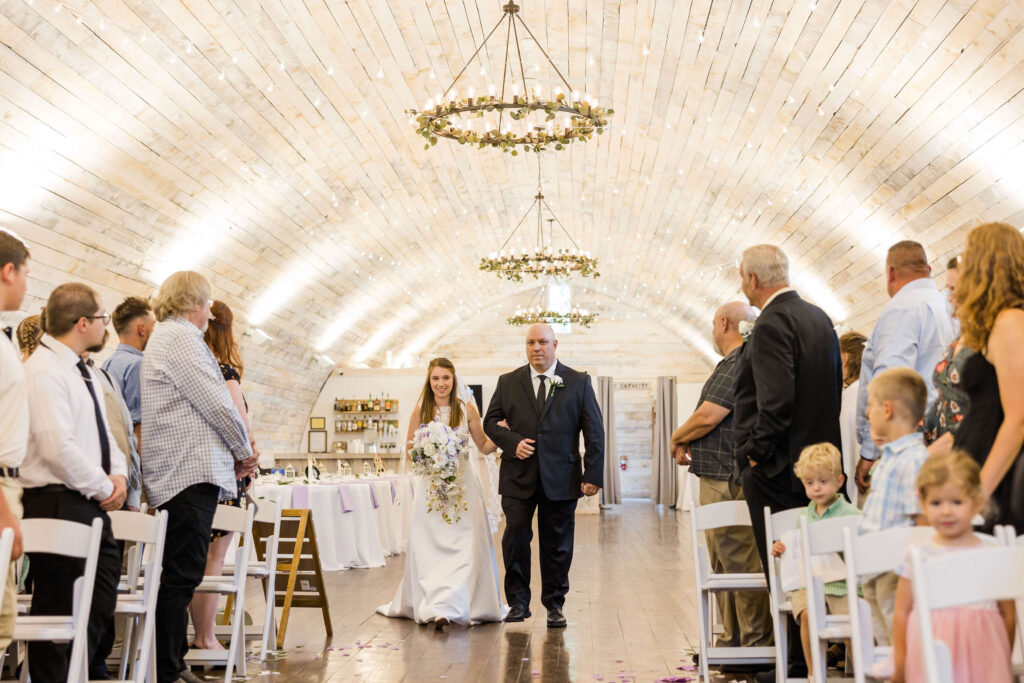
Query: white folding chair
{"points": [[961, 578], [1007, 535], [69, 539], [234, 520], [268, 516], [136, 606], [774, 526], [866, 556], [704, 518], [824, 536]]}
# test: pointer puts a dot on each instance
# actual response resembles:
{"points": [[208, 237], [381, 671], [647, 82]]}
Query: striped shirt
{"points": [[893, 499], [191, 430]]}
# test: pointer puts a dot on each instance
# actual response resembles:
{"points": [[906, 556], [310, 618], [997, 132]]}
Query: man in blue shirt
{"points": [[913, 331], [133, 321]]}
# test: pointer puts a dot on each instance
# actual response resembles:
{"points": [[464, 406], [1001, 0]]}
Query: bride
{"points": [[451, 574]]}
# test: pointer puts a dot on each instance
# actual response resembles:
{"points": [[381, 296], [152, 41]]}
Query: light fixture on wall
{"points": [[544, 260], [559, 120]]}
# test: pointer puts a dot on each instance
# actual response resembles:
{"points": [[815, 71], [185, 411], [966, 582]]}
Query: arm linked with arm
{"points": [[506, 439]]}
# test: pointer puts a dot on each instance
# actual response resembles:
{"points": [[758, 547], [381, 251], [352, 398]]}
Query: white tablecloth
{"points": [[357, 521]]}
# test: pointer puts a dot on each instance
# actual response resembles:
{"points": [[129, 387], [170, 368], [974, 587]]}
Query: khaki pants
{"points": [[880, 592], [9, 610], [746, 617]]}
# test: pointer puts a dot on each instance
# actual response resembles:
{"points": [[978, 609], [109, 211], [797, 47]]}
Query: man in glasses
{"points": [[73, 470]]}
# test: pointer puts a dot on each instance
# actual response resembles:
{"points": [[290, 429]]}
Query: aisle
{"points": [[630, 609]]}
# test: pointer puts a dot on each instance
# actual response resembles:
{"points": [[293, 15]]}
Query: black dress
{"points": [[229, 373], [977, 433]]}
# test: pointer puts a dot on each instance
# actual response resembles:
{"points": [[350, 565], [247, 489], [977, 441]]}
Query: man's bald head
{"points": [[905, 262], [541, 346], [725, 332]]}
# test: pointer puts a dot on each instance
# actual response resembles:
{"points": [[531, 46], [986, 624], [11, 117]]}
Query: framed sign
{"points": [[317, 442], [318, 423]]}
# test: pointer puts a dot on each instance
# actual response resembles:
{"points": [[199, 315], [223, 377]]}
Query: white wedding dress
{"points": [[451, 571]]}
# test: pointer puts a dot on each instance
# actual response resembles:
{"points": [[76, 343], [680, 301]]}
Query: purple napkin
{"points": [[346, 498], [300, 497]]}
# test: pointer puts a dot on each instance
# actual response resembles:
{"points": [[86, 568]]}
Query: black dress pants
{"points": [[53, 580], [777, 494], [189, 520], [556, 522]]}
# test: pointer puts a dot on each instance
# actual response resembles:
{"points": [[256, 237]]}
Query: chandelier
{"points": [[559, 120], [535, 313], [544, 260]]}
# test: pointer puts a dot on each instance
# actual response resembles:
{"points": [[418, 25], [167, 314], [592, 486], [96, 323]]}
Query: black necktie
{"points": [[541, 394], [101, 426]]}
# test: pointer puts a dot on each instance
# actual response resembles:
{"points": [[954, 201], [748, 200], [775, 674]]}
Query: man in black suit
{"points": [[788, 387], [789, 381], [546, 406]]}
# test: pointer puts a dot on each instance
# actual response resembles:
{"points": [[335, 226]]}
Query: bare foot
{"points": [[211, 644]]}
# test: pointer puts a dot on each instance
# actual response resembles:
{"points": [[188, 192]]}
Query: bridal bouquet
{"points": [[438, 453]]}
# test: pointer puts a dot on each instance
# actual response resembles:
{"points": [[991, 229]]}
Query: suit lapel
{"points": [[559, 370], [530, 392]]}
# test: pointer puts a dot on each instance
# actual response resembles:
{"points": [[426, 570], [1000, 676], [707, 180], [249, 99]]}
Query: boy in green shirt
{"points": [[821, 471]]}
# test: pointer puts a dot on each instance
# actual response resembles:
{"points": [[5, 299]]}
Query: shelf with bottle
{"points": [[373, 406], [358, 426]]}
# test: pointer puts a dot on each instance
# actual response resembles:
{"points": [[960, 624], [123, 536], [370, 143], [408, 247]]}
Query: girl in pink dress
{"points": [[978, 635]]}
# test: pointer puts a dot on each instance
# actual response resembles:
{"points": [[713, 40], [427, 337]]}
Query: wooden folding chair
{"points": [[69, 539], [136, 606], [704, 518], [960, 578], [235, 520], [774, 526]]}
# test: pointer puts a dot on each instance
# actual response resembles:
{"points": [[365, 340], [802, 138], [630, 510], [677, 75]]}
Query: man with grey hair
{"points": [[788, 387], [788, 393], [705, 443], [196, 445]]}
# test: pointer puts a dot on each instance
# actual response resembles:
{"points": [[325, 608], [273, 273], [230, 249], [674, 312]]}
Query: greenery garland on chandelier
{"points": [[533, 316], [444, 118]]}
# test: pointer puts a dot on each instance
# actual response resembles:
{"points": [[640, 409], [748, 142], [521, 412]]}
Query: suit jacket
{"points": [[789, 386], [556, 464]]}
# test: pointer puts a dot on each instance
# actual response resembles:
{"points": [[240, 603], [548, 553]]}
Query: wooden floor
{"points": [[630, 608]]}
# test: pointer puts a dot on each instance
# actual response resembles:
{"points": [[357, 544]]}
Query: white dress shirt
{"points": [[913, 331], [13, 405], [548, 374], [64, 439]]}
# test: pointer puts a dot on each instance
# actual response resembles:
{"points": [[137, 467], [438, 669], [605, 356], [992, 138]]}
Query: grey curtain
{"points": [[663, 467], [611, 493]]}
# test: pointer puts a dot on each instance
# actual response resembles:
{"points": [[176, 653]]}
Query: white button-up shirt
{"points": [[64, 439], [913, 331], [548, 374], [13, 405]]}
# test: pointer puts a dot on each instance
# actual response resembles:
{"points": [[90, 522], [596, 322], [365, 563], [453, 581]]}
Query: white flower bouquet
{"points": [[438, 453]]}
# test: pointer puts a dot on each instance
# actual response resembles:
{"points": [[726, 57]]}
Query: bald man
{"points": [[705, 443], [546, 406]]}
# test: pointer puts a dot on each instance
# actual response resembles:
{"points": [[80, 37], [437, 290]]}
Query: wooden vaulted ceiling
{"points": [[266, 143]]}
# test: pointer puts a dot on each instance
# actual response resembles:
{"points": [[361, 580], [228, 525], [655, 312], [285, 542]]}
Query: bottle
{"points": [[337, 425], [376, 405], [387, 403]]}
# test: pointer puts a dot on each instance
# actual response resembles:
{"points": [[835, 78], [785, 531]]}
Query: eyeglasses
{"points": [[105, 317]]}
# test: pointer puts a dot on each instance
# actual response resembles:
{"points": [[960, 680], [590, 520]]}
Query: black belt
{"points": [[49, 488], [8, 472]]}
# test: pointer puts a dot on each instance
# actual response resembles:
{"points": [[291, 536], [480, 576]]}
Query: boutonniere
{"points": [[746, 328], [556, 383]]}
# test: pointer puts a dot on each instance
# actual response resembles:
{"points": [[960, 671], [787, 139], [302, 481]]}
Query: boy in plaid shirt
{"points": [[896, 405]]}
